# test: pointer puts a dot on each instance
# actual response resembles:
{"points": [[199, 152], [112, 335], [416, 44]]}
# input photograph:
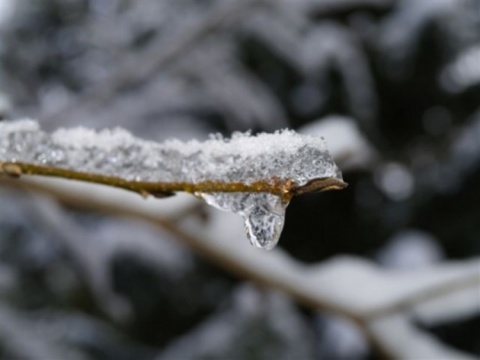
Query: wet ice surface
{"points": [[263, 213], [284, 155]]}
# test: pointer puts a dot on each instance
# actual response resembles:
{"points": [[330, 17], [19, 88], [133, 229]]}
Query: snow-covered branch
{"points": [[254, 176]]}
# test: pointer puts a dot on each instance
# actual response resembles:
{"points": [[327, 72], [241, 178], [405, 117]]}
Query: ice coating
{"points": [[243, 158], [263, 214]]}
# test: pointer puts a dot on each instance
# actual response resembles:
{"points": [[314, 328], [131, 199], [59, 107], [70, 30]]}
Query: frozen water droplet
{"points": [[263, 226], [263, 214]]}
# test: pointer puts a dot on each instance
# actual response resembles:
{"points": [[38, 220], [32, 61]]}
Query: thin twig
{"points": [[283, 188]]}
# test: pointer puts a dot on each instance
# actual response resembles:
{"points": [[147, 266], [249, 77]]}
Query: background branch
{"points": [[361, 293]]}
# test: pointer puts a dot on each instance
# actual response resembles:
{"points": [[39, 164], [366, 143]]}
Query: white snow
{"points": [[395, 180], [345, 141], [370, 288], [463, 73], [242, 158], [401, 338], [410, 249]]}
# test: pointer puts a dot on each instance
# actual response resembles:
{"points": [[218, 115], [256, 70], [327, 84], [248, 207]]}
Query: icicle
{"points": [[263, 214]]}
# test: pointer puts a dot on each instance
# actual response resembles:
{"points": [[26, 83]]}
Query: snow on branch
{"points": [[254, 176]]}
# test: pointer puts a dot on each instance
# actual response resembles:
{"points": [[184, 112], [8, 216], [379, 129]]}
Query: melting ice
{"points": [[263, 214], [283, 155]]}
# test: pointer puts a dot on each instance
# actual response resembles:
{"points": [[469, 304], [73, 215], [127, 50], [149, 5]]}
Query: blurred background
{"points": [[392, 85]]}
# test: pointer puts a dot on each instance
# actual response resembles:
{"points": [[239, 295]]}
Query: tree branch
{"points": [[282, 188]]}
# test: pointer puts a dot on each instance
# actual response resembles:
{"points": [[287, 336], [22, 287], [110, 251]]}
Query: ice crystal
{"points": [[272, 158]]}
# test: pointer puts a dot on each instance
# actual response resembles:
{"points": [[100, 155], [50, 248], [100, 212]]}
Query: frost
{"points": [[274, 159]]}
